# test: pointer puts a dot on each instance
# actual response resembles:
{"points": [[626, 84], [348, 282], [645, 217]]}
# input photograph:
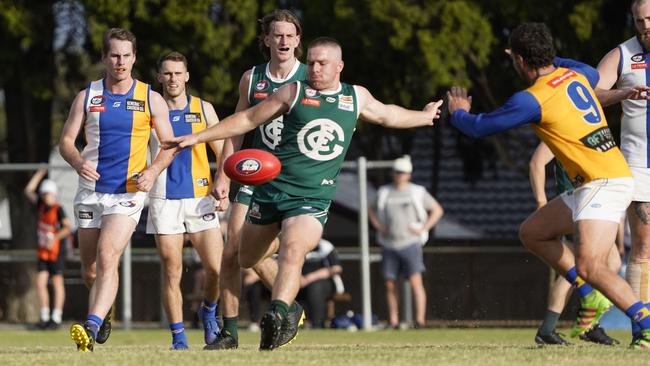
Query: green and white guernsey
{"points": [[317, 132], [261, 86]]}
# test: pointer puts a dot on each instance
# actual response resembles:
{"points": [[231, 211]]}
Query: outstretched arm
{"points": [[30, 188], [240, 122], [608, 71], [520, 109], [394, 116]]}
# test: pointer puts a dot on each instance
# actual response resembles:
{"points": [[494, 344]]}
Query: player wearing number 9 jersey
{"points": [[561, 106]]}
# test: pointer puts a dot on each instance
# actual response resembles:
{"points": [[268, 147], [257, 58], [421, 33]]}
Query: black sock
{"points": [[549, 323]]}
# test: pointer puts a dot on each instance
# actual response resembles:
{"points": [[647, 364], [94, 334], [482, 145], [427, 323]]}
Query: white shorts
{"points": [[600, 199], [177, 216], [90, 206], [641, 184]]}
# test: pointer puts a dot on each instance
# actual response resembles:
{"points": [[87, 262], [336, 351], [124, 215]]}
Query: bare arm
{"points": [[230, 145], [65, 230], [374, 220], [394, 116], [240, 122], [30, 188], [217, 147], [435, 214], [320, 274], [608, 70], [160, 120], [537, 175], [71, 129]]}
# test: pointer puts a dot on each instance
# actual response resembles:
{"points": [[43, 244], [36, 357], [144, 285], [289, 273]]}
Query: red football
{"points": [[252, 166]]}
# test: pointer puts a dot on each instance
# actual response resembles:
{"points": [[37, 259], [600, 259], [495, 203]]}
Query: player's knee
{"points": [[526, 234], [89, 275], [292, 255], [587, 267]]}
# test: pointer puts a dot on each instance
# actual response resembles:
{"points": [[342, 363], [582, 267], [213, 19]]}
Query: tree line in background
{"points": [[407, 52]]}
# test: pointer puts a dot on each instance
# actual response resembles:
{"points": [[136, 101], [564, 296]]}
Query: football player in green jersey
{"points": [[320, 115], [280, 41]]}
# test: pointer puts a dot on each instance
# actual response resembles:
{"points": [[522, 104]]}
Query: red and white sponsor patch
{"points": [[311, 102], [97, 108], [639, 66], [258, 95], [556, 81]]}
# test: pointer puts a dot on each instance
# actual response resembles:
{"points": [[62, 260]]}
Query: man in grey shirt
{"points": [[403, 213]]}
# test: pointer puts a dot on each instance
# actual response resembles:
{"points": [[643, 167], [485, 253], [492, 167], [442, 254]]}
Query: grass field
{"points": [[414, 347]]}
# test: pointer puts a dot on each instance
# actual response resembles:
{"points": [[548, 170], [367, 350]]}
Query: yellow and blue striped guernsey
{"points": [[117, 130], [188, 176], [565, 114]]}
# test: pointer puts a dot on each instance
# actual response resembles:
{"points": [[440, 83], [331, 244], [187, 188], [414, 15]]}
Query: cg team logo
{"points": [[248, 166], [321, 139], [272, 133]]}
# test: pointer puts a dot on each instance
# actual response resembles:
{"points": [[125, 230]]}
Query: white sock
{"points": [[56, 315], [45, 314]]}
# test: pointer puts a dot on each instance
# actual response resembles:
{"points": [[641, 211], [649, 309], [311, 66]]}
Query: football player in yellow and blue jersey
{"points": [[180, 202], [117, 114], [561, 106]]}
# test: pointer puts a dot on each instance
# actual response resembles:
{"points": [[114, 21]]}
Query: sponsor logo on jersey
{"points": [[639, 66], [85, 215], [248, 166], [271, 133], [176, 118], [261, 85], [327, 182], [600, 140], [127, 203], [639, 57], [258, 95], [346, 103], [135, 176], [202, 182], [330, 99], [556, 81], [311, 102], [312, 93], [192, 117], [117, 104], [275, 89], [321, 139], [254, 211], [96, 104], [209, 216], [135, 105]]}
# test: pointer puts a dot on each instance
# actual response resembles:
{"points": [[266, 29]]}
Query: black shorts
{"points": [[55, 267]]}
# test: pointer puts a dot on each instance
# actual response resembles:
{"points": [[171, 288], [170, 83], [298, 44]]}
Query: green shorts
{"points": [[244, 194], [269, 205]]}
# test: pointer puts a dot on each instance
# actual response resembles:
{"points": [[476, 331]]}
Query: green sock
{"points": [[549, 323], [280, 307], [230, 324], [294, 307]]}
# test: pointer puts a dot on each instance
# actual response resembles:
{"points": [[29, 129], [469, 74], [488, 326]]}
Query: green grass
{"points": [[482, 347]]}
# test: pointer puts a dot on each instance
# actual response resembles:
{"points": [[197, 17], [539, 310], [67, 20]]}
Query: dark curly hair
{"points": [[534, 43]]}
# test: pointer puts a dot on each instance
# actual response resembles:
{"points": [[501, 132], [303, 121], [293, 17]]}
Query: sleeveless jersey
{"points": [[117, 132], [49, 222], [316, 135], [267, 136], [584, 146], [635, 122], [188, 175]]}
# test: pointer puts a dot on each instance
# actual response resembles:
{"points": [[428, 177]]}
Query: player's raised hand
{"points": [[87, 171], [434, 109], [457, 98]]}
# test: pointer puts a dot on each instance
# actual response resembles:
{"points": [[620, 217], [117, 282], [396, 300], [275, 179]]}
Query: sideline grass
{"points": [[422, 347]]}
